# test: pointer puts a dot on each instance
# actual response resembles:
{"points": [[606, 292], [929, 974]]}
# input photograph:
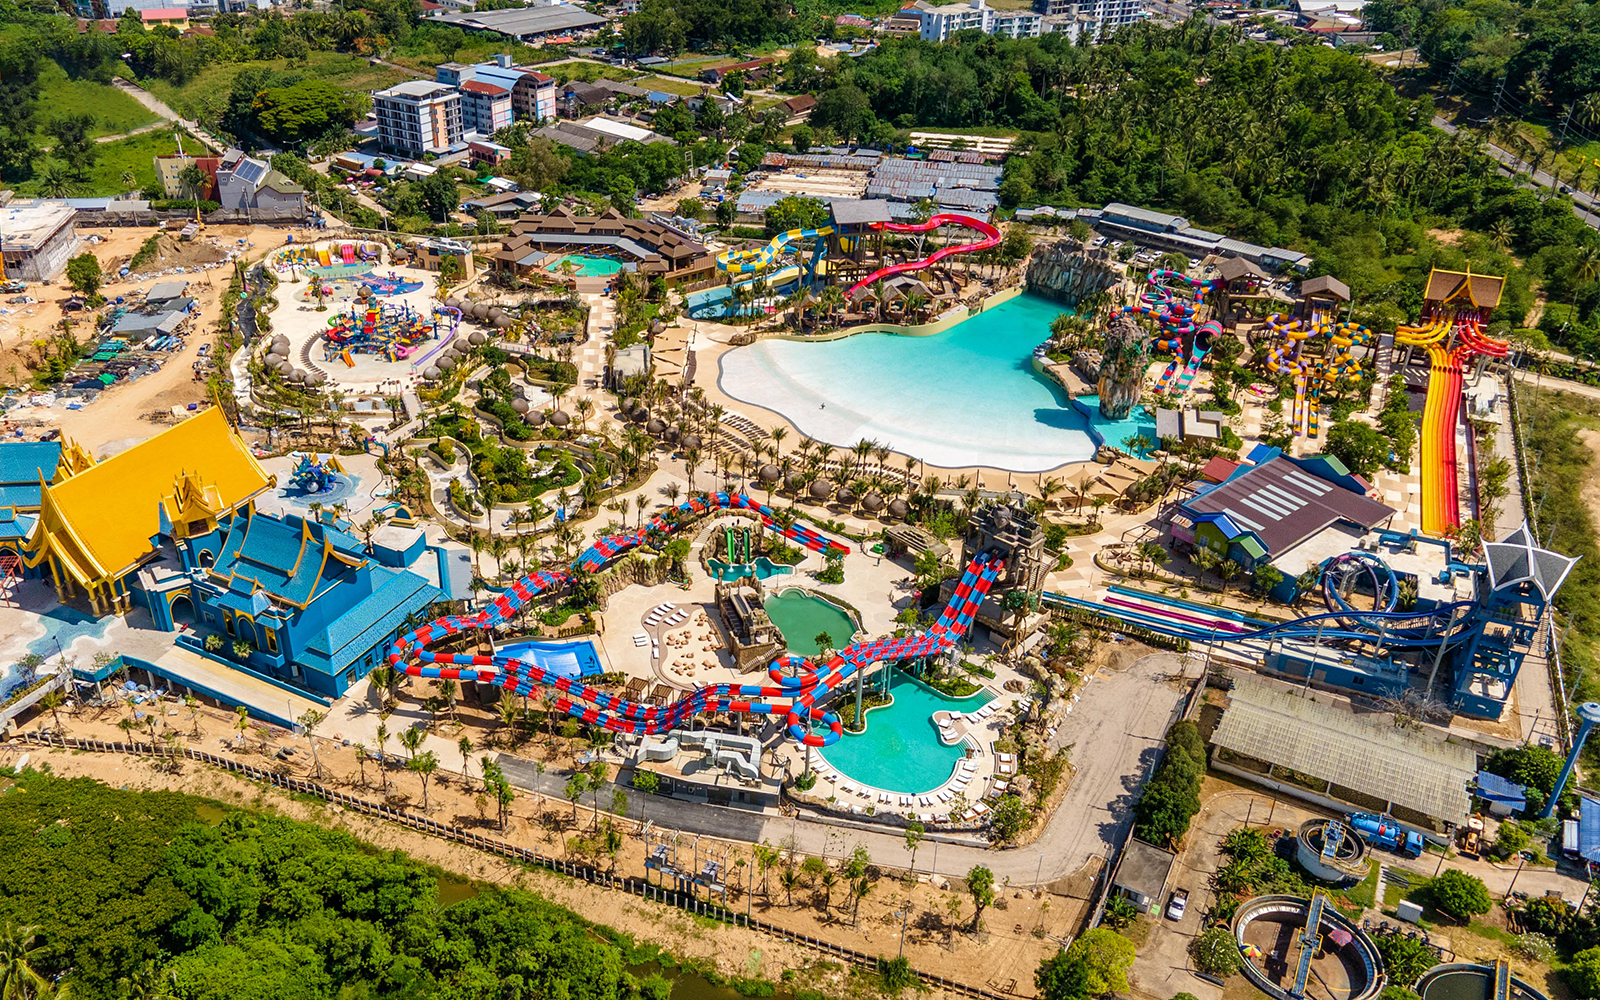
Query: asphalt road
{"points": [[1113, 732], [1584, 205]]}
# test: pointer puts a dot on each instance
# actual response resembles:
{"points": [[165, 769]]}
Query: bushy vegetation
{"points": [[1095, 964], [130, 894], [1172, 795]]}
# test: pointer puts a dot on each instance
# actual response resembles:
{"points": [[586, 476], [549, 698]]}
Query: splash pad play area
{"points": [[363, 330]]}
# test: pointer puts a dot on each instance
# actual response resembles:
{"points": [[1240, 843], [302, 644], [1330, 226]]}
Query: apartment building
{"points": [[533, 94], [418, 118], [939, 22], [485, 108], [1094, 18]]}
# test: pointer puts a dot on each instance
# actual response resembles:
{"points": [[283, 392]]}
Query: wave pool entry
{"points": [[801, 617], [900, 751], [966, 397]]}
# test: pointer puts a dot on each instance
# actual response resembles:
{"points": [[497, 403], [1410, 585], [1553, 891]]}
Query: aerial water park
{"points": [[1314, 373], [1171, 300]]}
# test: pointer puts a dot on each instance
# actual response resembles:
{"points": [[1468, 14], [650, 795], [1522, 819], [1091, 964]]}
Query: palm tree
{"points": [[411, 739], [789, 879], [55, 179], [1585, 269], [1502, 234], [18, 952], [423, 765], [383, 760]]}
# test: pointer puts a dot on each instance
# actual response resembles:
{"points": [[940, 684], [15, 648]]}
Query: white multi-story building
{"points": [[939, 22], [418, 118], [1095, 18]]}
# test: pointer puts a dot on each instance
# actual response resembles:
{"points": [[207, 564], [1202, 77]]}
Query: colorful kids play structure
{"points": [[315, 475], [1312, 373], [340, 254], [1173, 301], [798, 686], [375, 327], [1456, 305]]}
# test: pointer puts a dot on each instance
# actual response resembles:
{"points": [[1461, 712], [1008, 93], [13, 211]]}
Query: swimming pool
{"points": [[801, 617], [571, 659], [589, 267], [965, 397], [900, 751]]}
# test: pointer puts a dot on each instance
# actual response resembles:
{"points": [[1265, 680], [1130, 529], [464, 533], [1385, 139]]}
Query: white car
{"points": [[1098, 241], [1176, 906], [1116, 244], [1194, 262]]}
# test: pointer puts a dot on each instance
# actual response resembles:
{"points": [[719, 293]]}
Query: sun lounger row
{"points": [[640, 639]]}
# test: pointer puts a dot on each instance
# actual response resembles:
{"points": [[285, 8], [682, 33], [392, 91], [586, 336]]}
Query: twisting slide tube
{"points": [[991, 239], [761, 258], [803, 683]]}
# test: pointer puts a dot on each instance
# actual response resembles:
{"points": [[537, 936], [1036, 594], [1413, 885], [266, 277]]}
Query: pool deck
{"points": [[963, 798]]}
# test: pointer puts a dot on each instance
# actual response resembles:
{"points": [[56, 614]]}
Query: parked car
{"points": [[1178, 903]]}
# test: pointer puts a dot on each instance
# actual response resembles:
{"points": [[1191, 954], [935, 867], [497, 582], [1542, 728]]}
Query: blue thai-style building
{"points": [[298, 599]]}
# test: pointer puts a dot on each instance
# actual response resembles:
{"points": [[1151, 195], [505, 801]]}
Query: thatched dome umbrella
{"points": [[770, 473], [670, 434], [283, 368], [453, 302], [535, 418], [846, 496], [495, 312], [504, 322], [479, 310], [691, 441], [431, 373], [273, 359], [446, 363], [898, 508], [639, 415], [298, 375], [316, 378], [795, 483], [655, 426], [872, 503], [461, 344], [477, 337], [560, 418], [822, 489], [520, 405]]}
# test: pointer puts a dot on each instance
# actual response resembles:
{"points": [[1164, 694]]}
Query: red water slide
{"points": [[991, 238]]}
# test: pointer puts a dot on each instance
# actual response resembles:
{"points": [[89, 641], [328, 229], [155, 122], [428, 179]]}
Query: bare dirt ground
{"points": [[114, 420], [1008, 947], [1591, 487]]}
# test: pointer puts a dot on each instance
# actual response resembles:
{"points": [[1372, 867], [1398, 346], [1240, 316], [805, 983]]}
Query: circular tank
{"points": [[1467, 981], [1346, 863], [1267, 930]]}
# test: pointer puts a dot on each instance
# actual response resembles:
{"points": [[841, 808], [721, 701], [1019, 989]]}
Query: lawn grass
{"points": [[114, 112], [669, 85], [204, 97], [587, 72], [1364, 892], [136, 153]]}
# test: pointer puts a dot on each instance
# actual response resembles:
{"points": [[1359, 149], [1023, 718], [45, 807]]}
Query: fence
{"points": [[644, 889]]}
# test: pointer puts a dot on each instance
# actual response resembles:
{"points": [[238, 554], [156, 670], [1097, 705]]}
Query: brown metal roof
{"points": [[1463, 287], [1326, 284]]}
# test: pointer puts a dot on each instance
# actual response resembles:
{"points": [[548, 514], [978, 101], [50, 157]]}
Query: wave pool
{"points": [[966, 397]]}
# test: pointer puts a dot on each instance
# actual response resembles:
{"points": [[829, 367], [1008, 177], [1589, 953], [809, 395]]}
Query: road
{"points": [[1114, 732], [153, 103], [1584, 205]]}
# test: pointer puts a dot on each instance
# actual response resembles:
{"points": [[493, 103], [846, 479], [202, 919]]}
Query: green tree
{"points": [[980, 886], [423, 765], [303, 112], [83, 273], [794, 212], [19, 950], [1583, 973], [1215, 952], [1359, 446], [1009, 818], [1457, 894], [75, 142], [1405, 959], [1097, 963], [439, 195]]}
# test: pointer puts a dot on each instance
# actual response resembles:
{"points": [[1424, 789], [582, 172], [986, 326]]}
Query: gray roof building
{"points": [[1143, 872], [527, 22]]}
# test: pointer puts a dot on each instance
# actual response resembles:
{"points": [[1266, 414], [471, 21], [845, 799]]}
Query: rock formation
{"points": [[1123, 361], [1064, 272]]}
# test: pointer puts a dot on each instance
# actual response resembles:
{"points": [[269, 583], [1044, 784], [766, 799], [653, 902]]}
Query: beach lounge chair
{"points": [[846, 787]]}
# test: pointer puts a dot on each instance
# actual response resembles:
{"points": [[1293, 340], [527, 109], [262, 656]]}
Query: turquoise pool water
{"points": [[589, 267], [802, 617], [968, 396], [900, 751]]}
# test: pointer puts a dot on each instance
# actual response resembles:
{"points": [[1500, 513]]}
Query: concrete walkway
{"points": [[152, 102]]}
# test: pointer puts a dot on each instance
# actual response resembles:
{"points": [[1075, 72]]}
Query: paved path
{"points": [[152, 102]]}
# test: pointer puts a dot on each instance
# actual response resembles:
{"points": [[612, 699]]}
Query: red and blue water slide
{"points": [[991, 239], [804, 685]]}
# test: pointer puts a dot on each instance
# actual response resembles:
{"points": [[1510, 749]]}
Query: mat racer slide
{"points": [[802, 684], [990, 239]]}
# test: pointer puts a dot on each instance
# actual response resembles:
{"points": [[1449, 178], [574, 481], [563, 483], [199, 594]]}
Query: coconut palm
{"points": [[18, 952]]}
